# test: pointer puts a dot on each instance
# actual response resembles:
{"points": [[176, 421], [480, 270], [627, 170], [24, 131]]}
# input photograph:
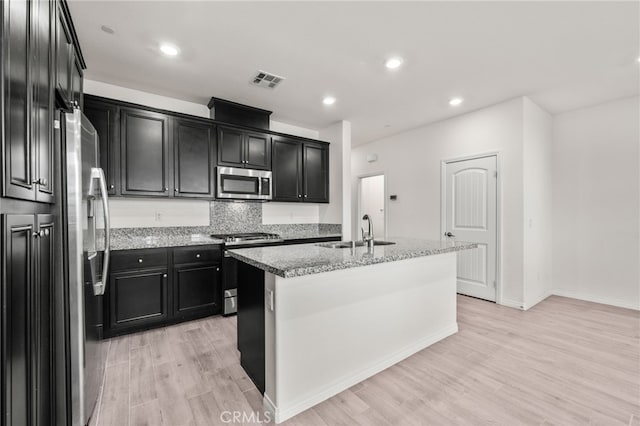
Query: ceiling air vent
{"points": [[265, 79]]}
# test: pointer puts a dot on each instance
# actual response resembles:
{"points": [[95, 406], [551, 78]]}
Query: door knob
{"points": [[449, 234]]}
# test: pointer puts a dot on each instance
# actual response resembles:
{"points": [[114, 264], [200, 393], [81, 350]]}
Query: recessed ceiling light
{"points": [[107, 29], [169, 50], [393, 63], [455, 101], [329, 100]]}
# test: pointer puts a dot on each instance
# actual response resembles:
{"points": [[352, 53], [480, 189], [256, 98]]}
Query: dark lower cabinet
{"points": [[26, 321], [138, 298], [153, 287], [196, 290]]}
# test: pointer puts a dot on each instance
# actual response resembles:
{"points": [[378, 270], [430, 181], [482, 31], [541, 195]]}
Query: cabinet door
{"points": [[230, 147], [75, 81], [63, 53], [193, 146], [137, 298], [144, 153], [103, 116], [42, 94], [196, 290], [43, 302], [287, 170], [258, 151], [316, 173], [16, 320], [18, 156]]}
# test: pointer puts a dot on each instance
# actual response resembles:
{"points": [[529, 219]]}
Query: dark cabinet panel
{"points": [[287, 170], [75, 81], [258, 151], [64, 55], [237, 148], [18, 157], [197, 254], [193, 144], [17, 326], [103, 116], [251, 334], [316, 173], [138, 298], [42, 94], [43, 298], [230, 147], [122, 260], [144, 153], [196, 289]]}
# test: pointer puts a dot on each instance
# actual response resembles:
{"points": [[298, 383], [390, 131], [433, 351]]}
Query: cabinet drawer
{"points": [[197, 254], [138, 259]]}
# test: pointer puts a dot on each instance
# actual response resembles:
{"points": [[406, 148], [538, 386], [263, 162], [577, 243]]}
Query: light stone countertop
{"points": [[305, 259]]}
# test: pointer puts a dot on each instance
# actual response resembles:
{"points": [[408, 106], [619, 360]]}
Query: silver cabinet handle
{"points": [[299, 195], [449, 234], [176, 190], [40, 181], [198, 256], [166, 189], [164, 275], [217, 269], [111, 186], [140, 260]]}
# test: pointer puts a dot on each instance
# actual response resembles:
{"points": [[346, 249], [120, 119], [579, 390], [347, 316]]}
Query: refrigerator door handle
{"points": [[100, 286]]}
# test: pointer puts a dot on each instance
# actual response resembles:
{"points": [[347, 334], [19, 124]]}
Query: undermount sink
{"points": [[349, 244]]}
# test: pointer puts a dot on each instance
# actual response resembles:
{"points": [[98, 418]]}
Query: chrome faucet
{"points": [[367, 237]]}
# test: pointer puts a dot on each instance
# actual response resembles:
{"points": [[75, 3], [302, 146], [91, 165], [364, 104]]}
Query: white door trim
{"points": [[357, 217], [443, 208]]}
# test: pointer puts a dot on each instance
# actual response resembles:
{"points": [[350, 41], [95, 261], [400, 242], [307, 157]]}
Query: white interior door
{"points": [[372, 203], [471, 215]]}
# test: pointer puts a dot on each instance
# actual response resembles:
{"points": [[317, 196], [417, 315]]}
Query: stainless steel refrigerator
{"points": [[87, 264]]}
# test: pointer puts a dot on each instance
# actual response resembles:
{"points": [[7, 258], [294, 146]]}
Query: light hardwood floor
{"points": [[563, 362]]}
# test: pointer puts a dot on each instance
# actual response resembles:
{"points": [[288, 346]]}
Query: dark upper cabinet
{"points": [[144, 153], [28, 247], [43, 100], [238, 148], [193, 154], [18, 149], [287, 169], [64, 57], [75, 81], [315, 160], [103, 116], [32, 31], [300, 170]]}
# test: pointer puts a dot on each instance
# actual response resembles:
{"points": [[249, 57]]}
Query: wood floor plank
{"points": [[563, 362]]}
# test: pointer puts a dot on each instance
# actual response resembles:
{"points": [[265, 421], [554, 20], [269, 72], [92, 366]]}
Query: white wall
{"points": [[372, 202], [411, 164], [138, 212], [596, 203], [339, 208], [537, 190]]}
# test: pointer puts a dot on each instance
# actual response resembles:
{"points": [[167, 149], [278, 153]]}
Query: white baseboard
{"points": [[511, 303], [281, 414], [597, 299], [537, 300]]}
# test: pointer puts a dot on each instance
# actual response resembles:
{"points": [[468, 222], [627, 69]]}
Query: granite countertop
{"points": [[143, 238], [306, 259]]}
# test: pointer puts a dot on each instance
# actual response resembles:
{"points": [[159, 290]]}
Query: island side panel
{"points": [[251, 317], [332, 330]]}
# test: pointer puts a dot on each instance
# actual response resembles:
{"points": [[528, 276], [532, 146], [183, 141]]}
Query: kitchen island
{"points": [[313, 320]]}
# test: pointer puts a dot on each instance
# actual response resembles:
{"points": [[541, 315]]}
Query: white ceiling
{"points": [[564, 55]]}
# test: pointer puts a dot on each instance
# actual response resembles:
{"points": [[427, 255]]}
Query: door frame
{"points": [[357, 217], [443, 207]]}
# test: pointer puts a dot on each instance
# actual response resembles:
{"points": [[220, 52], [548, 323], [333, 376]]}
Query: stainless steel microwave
{"points": [[244, 184]]}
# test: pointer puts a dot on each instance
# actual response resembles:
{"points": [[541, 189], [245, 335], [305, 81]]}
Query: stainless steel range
{"points": [[230, 265]]}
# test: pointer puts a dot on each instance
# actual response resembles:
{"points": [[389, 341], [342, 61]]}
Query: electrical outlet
{"points": [[158, 216]]}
